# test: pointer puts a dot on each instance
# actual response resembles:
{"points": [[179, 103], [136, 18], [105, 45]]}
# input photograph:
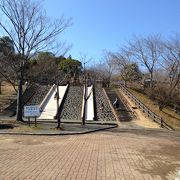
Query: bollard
{"points": [[161, 122], [143, 108]]}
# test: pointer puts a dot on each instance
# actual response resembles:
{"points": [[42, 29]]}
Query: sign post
{"points": [[32, 111], [29, 122]]}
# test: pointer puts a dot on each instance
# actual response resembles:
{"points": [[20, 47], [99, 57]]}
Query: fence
{"points": [[146, 110]]}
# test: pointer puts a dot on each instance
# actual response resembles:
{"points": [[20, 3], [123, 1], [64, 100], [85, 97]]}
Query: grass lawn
{"points": [[168, 114]]}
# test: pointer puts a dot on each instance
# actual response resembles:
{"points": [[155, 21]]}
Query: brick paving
{"points": [[108, 155]]}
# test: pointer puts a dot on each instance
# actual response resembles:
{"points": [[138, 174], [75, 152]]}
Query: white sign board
{"points": [[31, 111]]}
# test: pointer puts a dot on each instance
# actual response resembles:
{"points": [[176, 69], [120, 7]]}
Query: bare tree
{"points": [[121, 59], [168, 95], [107, 68], [128, 70], [8, 64], [147, 51], [85, 60], [104, 69], [171, 60], [31, 31]]}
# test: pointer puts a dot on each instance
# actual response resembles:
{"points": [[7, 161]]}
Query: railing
{"points": [[146, 110]]}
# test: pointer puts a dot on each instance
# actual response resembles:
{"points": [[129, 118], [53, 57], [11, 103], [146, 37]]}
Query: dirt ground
{"points": [[140, 118]]}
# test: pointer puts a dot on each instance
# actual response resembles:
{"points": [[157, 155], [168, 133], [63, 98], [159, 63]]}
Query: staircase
{"points": [[122, 112]]}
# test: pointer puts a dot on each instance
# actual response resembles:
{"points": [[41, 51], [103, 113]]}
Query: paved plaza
{"points": [[112, 154]]}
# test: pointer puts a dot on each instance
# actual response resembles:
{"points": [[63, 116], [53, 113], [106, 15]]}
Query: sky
{"points": [[100, 25]]}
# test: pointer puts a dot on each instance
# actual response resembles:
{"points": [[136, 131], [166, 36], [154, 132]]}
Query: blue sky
{"points": [[106, 24]]}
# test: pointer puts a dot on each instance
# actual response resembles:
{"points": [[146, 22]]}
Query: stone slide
{"points": [[90, 104], [50, 108]]}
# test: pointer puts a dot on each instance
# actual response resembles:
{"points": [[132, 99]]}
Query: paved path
{"points": [[141, 155]]}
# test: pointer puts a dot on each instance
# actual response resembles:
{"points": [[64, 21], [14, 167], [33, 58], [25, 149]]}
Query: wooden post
{"points": [[35, 121], [29, 123], [161, 122], [85, 103]]}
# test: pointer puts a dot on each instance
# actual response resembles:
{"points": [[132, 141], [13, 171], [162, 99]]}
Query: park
{"points": [[78, 117]]}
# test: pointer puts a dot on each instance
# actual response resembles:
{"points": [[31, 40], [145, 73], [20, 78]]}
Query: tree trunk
{"points": [[19, 99], [0, 87], [85, 102]]}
